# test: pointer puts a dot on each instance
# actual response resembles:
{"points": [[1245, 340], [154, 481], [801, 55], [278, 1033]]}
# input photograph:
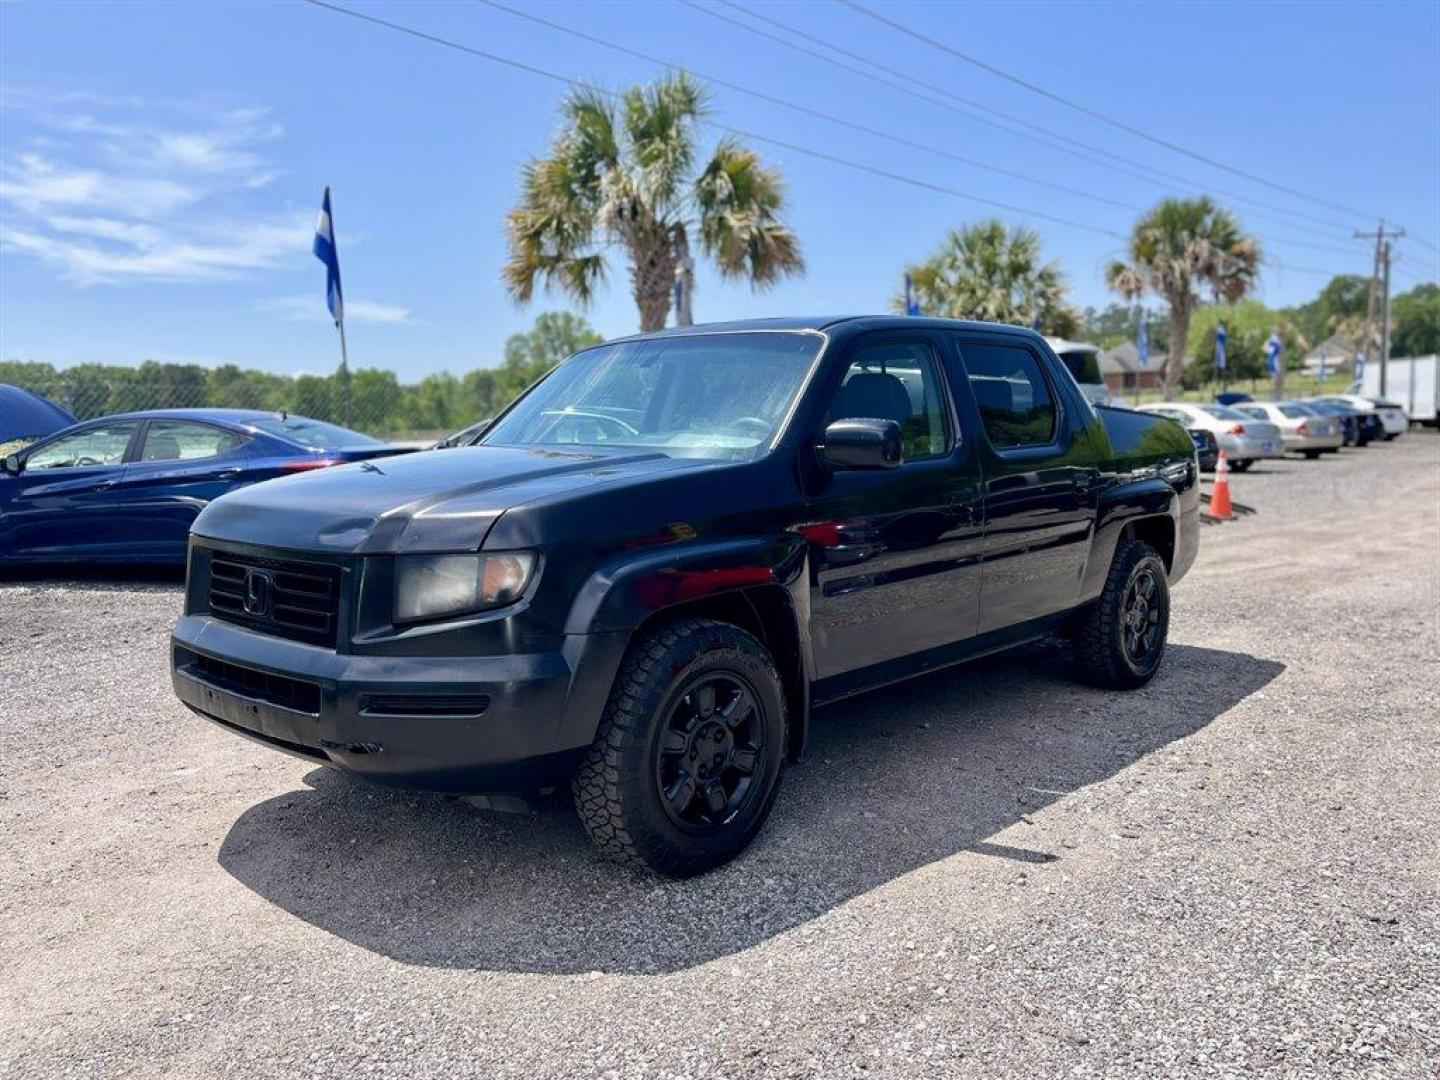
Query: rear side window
{"points": [[1083, 365], [172, 440], [1016, 406], [1295, 412], [1252, 411], [896, 382]]}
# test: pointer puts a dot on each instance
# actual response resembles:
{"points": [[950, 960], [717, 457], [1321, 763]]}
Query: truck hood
{"points": [[439, 500]]}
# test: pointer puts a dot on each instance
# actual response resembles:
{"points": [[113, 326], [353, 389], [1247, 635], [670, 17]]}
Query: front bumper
{"points": [[461, 725]]}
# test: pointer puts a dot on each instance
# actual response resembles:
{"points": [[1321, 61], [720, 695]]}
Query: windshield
{"points": [[711, 396], [1083, 365], [314, 434], [1224, 412]]}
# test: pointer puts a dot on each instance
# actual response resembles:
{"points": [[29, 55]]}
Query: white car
{"points": [[1305, 430], [1082, 360], [1243, 438], [1392, 416]]}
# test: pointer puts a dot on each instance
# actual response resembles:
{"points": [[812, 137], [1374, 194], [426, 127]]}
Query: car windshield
{"points": [[1224, 412], [711, 396], [314, 434], [1384, 403], [1296, 411]]}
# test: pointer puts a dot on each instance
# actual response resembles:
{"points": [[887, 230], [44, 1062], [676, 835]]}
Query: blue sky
{"points": [[161, 164]]}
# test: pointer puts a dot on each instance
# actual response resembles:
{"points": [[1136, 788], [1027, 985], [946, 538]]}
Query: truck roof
{"points": [[827, 322]]}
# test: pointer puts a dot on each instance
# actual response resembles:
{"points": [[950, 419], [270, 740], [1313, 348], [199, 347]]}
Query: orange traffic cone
{"points": [[1220, 508]]}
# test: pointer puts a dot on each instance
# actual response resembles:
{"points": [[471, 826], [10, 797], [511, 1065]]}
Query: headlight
{"points": [[428, 586]]}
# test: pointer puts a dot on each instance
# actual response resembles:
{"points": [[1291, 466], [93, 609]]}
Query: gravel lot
{"points": [[988, 872]]}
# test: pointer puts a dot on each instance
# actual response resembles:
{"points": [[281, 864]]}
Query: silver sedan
{"points": [[1243, 438], [1305, 429]]}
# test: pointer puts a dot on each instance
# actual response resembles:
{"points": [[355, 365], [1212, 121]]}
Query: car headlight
{"points": [[429, 586]]}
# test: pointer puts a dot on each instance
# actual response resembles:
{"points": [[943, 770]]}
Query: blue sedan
{"points": [[125, 488]]}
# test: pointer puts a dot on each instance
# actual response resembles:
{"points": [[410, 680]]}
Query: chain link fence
{"points": [[371, 401]]}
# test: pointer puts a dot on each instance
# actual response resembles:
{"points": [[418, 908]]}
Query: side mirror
{"points": [[862, 443], [12, 465]]}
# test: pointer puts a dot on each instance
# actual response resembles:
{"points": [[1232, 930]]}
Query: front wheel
{"points": [[686, 764], [1313, 455], [1120, 640], [1242, 464]]}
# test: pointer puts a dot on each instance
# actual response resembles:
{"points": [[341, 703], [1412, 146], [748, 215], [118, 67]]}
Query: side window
{"points": [[174, 440], [1015, 402], [899, 382], [98, 446], [1253, 412]]}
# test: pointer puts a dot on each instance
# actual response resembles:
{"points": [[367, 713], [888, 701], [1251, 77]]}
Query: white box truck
{"points": [[1409, 382]]}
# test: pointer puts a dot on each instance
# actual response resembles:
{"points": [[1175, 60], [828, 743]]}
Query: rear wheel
{"points": [[1313, 455], [686, 765], [1242, 464], [1120, 641]]}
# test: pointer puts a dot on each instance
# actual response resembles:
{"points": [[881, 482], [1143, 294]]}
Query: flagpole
{"points": [[345, 376]]}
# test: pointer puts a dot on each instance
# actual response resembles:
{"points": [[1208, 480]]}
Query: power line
{"points": [[1093, 113], [807, 151], [968, 107], [859, 166], [806, 110]]}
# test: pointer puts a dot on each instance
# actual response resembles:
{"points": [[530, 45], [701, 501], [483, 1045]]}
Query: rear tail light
{"points": [[1237, 429], [306, 466], [1303, 430]]}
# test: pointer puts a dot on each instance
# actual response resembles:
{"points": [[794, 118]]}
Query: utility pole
{"points": [[1380, 294]]}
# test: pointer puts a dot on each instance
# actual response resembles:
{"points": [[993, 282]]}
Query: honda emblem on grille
{"points": [[258, 587]]}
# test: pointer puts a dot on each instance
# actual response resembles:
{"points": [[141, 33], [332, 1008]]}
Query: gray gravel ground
{"points": [[989, 872]]}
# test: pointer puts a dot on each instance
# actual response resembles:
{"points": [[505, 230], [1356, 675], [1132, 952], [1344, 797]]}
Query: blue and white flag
{"points": [[1273, 350], [326, 252], [912, 303], [1142, 339], [1320, 371], [1220, 338]]}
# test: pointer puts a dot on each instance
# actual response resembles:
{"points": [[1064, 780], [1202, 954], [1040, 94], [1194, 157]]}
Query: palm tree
{"points": [[1175, 250], [621, 173], [988, 271]]}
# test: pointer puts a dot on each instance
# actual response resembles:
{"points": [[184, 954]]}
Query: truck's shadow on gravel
{"points": [[893, 781]]}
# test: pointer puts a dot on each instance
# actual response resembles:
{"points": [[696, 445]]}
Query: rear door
{"points": [[1040, 476], [180, 466], [62, 505], [895, 552]]}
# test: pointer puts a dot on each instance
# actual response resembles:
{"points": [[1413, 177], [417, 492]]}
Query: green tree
{"points": [[1178, 248], [1343, 301], [313, 396], [1248, 326], [377, 400], [623, 174], [1415, 322], [989, 271]]}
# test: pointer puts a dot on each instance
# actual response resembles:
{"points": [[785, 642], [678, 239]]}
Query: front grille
{"points": [[278, 690], [296, 600]]}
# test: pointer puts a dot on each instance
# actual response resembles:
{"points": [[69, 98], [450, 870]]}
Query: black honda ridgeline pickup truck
{"points": [[658, 560]]}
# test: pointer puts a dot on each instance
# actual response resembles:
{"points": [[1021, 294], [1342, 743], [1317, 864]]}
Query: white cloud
{"points": [[312, 309], [129, 191]]}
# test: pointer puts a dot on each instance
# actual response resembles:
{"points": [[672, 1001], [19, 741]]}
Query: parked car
{"points": [[1304, 430], [125, 488], [1351, 432], [1368, 425], [1207, 448], [1391, 416], [467, 436], [1082, 361], [26, 417], [1244, 439], [669, 549]]}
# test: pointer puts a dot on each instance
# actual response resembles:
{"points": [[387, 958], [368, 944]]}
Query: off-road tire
{"points": [[1098, 642], [616, 790]]}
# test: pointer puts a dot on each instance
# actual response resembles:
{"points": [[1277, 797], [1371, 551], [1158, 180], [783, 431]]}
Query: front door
{"points": [[62, 505], [1040, 480], [895, 552]]}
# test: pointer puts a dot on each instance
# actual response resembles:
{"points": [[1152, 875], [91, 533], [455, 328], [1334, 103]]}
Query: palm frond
{"points": [[740, 202]]}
